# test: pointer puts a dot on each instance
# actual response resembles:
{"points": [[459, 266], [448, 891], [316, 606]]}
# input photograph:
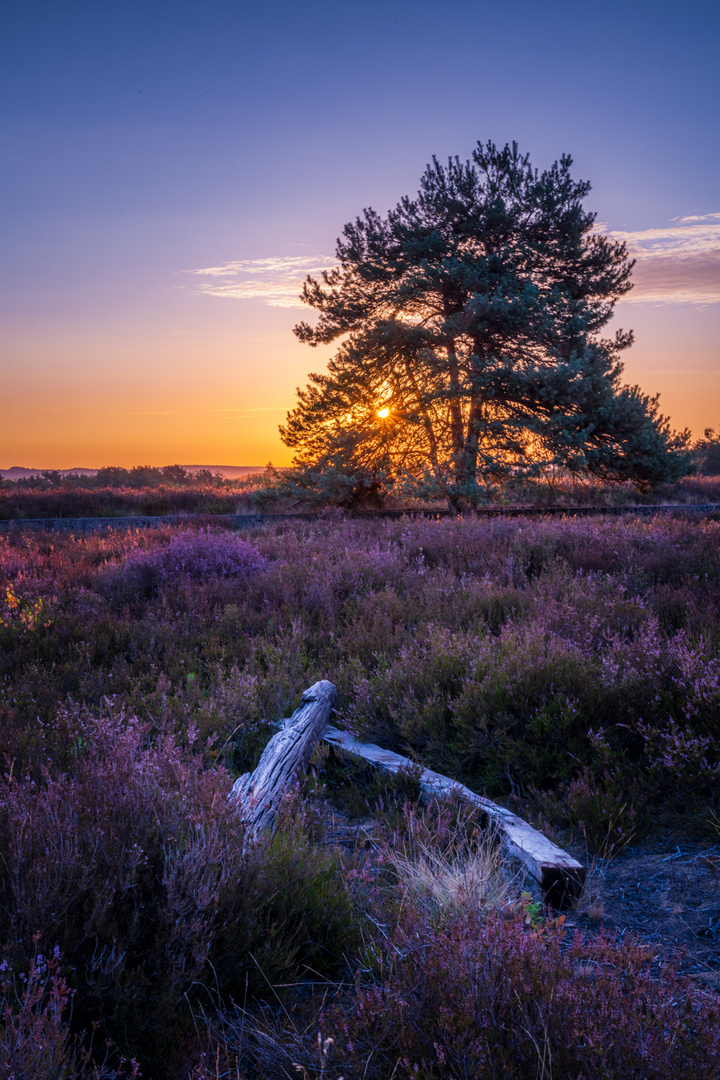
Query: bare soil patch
{"points": [[666, 892]]}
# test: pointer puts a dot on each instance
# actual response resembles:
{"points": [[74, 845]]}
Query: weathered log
{"points": [[288, 755], [285, 757], [560, 876]]}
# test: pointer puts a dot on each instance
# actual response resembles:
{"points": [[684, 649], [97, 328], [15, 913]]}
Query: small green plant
{"points": [[533, 912]]}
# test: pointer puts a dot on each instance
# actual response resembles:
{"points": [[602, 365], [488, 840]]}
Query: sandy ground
{"points": [[668, 894]]}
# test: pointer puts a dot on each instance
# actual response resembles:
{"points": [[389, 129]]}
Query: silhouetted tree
{"points": [[472, 317], [707, 453]]}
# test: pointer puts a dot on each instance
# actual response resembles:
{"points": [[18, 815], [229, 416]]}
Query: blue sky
{"points": [[144, 141]]}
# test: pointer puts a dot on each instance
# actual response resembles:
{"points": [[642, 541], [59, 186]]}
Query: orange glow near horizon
{"points": [[165, 200], [214, 391], [211, 390]]}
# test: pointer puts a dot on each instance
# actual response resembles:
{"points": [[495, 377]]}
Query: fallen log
{"points": [[285, 757], [288, 754], [560, 876]]}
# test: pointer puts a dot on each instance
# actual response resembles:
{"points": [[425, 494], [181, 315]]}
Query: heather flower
{"points": [[189, 556]]}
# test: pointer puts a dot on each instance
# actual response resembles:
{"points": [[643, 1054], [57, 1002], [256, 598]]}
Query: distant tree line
{"points": [[706, 452], [113, 476]]}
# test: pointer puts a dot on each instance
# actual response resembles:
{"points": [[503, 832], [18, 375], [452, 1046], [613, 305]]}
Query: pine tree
{"points": [[472, 317], [706, 453]]}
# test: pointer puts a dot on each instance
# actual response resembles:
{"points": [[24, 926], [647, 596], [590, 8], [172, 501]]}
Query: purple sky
{"points": [[171, 170]]}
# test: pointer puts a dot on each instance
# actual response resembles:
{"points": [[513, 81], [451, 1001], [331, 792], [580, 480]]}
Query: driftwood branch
{"points": [[285, 757], [560, 875], [288, 754]]}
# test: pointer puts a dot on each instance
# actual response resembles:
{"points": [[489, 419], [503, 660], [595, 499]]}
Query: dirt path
{"points": [[667, 892]]}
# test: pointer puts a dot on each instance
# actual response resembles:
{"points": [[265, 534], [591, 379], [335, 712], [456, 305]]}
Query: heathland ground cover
{"points": [[51, 495], [569, 665]]}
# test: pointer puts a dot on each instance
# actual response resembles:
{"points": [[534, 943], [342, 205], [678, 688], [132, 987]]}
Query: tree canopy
{"points": [[469, 322]]}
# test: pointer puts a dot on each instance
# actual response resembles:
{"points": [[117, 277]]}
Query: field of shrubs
{"points": [[116, 492], [567, 667], [172, 490]]}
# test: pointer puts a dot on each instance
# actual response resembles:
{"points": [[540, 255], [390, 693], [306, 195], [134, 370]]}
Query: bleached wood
{"points": [[559, 874], [285, 757], [288, 755]]}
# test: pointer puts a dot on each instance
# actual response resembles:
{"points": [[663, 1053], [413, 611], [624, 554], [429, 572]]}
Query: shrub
{"points": [[609, 811], [190, 556], [470, 998], [487, 998], [35, 1040], [134, 866], [198, 556], [122, 866], [678, 759]]}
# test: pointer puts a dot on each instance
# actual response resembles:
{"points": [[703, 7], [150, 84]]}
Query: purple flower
{"points": [[192, 556]]}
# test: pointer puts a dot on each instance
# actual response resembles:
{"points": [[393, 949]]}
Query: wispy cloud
{"points": [[696, 217], [677, 264], [275, 281]]}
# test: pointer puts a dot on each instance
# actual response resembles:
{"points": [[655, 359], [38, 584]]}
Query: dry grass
{"points": [[713, 821], [451, 864]]}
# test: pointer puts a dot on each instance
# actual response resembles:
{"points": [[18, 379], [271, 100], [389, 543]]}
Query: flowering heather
{"points": [[493, 648], [492, 998], [35, 1038], [191, 556], [131, 868], [475, 998], [572, 663]]}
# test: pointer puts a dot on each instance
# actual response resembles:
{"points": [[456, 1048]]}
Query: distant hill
{"points": [[18, 472], [230, 472]]}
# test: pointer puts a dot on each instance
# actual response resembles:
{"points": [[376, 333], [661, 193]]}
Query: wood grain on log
{"points": [[560, 875], [285, 757]]}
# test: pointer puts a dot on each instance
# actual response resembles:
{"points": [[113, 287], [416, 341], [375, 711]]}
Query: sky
{"points": [[171, 170]]}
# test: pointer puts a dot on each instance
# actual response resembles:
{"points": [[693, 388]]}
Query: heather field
{"points": [[566, 667], [118, 493]]}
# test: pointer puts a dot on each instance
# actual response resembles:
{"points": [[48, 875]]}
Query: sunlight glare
{"points": [[383, 413]]}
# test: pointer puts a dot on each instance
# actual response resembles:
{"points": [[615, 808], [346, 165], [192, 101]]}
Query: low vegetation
{"points": [[568, 666], [127, 492], [172, 490]]}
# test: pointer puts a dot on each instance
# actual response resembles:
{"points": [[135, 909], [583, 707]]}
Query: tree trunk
{"points": [[426, 419], [285, 758], [466, 465], [456, 423]]}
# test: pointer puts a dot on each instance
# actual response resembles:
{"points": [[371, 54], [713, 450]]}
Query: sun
{"points": [[383, 413]]}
